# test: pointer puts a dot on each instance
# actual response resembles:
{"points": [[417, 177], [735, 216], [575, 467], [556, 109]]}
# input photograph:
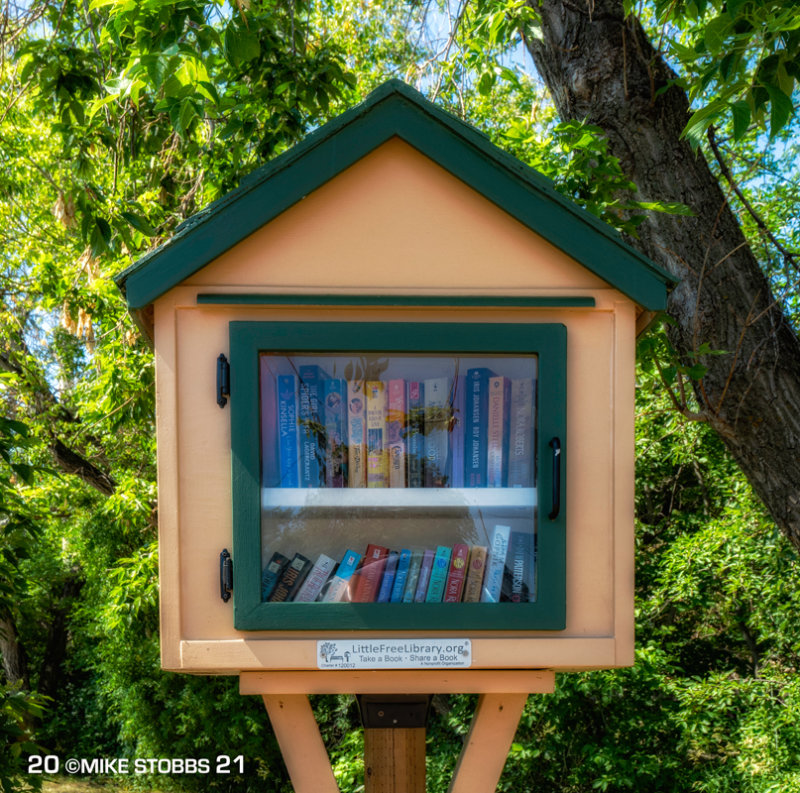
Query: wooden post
{"points": [[394, 760]]}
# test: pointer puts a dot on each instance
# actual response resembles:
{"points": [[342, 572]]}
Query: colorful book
{"points": [[339, 586], [316, 579], [425, 568], [477, 414], [387, 582], [357, 434], [415, 452], [401, 576], [270, 455], [335, 412], [291, 580], [495, 565], [312, 441], [413, 576], [476, 568], [377, 460], [518, 578], [497, 432], [520, 444], [437, 423], [457, 574], [438, 578], [288, 431], [458, 431], [272, 574], [368, 578], [396, 432]]}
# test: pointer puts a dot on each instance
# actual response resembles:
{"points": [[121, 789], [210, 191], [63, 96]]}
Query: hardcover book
{"points": [[396, 432], [476, 426], [520, 445], [368, 577], [288, 434], [400, 578], [357, 434], [439, 570], [387, 582], [335, 412], [316, 579], [291, 580], [437, 424], [413, 576], [424, 576], [497, 432], [415, 452], [518, 578], [339, 586], [272, 574], [456, 576], [312, 441], [377, 458], [476, 568], [493, 579]]}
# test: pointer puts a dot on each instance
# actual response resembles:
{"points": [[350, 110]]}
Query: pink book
{"points": [[396, 432], [454, 587]]}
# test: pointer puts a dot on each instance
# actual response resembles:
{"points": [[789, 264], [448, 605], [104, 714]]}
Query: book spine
{"points": [[272, 574], [339, 587], [396, 432], [518, 579], [387, 582], [316, 579], [369, 574], [424, 576], [497, 432], [377, 467], [401, 576], [439, 570], [312, 445], [288, 436], [476, 568], [458, 432], [416, 438], [493, 580], [436, 432], [520, 445], [476, 426], [270, 454], [292, 579], [357, 436], [335, 407], [454, 586], [413, 577]]}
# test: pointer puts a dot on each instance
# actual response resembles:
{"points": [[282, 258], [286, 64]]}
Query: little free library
{"points": [[395, 389]]}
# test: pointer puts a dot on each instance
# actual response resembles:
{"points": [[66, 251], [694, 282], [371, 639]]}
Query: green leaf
{"points": [[781, 109], [715, 34], [741, 118]]}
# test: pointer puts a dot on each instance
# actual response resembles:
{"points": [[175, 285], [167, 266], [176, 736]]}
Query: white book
{"points": [[315, 579], [493, 580]]}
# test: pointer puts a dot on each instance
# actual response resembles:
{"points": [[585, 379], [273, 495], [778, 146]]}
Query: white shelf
{"points": [[397, 498]]}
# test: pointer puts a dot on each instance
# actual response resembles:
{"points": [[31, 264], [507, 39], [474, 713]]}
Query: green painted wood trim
{"points": [[248, 339], [252, 299], [395, 110]]}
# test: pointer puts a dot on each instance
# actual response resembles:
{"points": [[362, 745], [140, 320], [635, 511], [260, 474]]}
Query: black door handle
{"points": [[555, 445]]}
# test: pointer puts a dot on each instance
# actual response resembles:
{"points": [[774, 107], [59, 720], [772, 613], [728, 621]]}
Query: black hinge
{"points": [[225, 575], [223, 380]]}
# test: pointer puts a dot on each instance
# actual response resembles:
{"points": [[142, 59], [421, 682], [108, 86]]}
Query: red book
{"points": [[369, 575], [454, 587]]}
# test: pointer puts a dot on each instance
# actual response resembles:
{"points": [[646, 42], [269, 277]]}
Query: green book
{"points": [[439, 571]]}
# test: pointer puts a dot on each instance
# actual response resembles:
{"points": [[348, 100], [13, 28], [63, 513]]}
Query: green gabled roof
{"points": [[395, 109]]}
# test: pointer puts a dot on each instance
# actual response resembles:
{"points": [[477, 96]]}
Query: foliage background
{"points": [[117, 121]]}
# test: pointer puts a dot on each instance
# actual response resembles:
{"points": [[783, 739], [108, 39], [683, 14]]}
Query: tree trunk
{"points": [[600, 66], [15, 660]]}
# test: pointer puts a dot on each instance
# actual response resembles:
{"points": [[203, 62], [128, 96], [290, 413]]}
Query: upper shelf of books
{"points": [[398, 498]]}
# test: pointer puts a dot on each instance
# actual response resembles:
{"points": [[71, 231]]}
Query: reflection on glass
{"points": [[398, 478]]}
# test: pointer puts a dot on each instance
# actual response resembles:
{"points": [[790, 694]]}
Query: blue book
{"points": [[495, 568], [312, 440], [400, 576], [288, 435], [424, 576], [476, 426], [415, 452], [412, 578], [335, 412], [387, 582], [339, 584], [439, 571]]}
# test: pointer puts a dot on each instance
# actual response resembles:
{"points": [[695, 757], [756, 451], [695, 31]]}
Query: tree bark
{"points": [[600, 66]]}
